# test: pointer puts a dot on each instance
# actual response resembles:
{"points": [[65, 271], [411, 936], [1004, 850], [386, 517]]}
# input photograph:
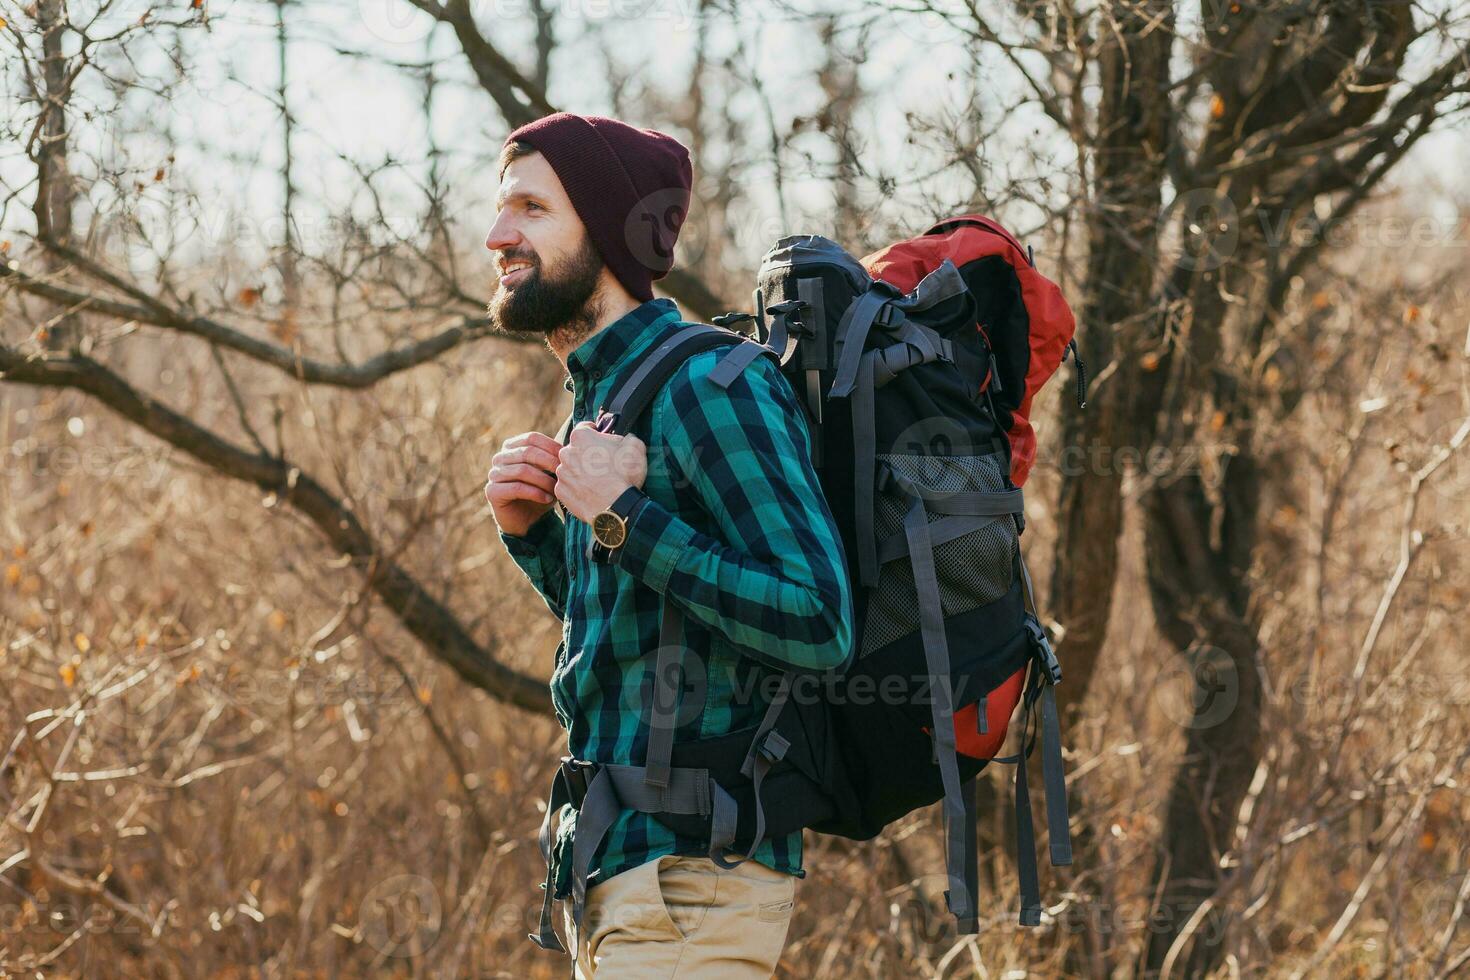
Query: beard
{"points": [[555, 302]]}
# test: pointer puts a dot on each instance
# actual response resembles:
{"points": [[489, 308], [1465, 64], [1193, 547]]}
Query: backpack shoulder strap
{"points": [[632, 396]]}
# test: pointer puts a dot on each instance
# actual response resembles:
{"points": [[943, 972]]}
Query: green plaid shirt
{"points": [[736, 532]]}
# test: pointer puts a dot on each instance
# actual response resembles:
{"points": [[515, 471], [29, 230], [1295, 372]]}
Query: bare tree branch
{"points": [[421, 614]]}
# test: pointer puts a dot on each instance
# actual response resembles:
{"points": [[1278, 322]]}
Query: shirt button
{"points": [[567, 384], [596, 375]]}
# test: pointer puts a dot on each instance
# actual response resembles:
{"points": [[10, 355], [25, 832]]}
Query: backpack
{"points": [[917, 366]]}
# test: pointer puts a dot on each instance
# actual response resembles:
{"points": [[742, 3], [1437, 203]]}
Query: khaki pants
{"points": [[678, 917]]}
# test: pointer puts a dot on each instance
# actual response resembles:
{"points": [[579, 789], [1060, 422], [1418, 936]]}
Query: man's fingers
{"points": [[508, 490], [534, 455], [522, 473], [537, 440]]}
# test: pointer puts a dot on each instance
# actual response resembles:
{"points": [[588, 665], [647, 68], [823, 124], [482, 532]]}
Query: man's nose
{"points": [[503, 234]]}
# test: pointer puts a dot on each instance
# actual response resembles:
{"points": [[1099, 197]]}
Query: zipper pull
{"points": [[1081, 372]]}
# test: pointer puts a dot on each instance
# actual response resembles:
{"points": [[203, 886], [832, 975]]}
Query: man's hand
{"points": [[522, 486], [596, 467]]}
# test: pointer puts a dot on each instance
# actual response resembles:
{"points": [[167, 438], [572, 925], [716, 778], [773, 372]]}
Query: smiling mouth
{"points": [[516, 275]]}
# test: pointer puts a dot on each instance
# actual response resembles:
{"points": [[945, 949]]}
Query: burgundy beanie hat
{"points": [[629, 186]]}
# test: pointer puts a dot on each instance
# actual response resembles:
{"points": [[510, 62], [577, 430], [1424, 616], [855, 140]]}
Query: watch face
{"points": [[609, 529]]}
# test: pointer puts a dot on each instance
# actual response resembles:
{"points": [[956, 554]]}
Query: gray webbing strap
{"points": [[814, 350], [735, 361], [767, 748], [666, 690], [545, 934], [975, 503], [595, 817], [852, 333], [690, 336], [615, 788], [1026, 834], [864, 464], [936, 656], [941, 531], [778, 338], [561, 437], [942, 283], [917, 344], [1059, 833], [1042, 673], [690, 791], [994, 503], [969, 860], [939, 285], [979, 503]]}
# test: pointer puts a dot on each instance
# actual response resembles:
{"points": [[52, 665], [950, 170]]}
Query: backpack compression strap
{"points": [[966, 512], [861, 372]]}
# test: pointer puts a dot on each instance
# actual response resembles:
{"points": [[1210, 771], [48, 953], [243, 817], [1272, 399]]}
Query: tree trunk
{"points": [[55, 192], [1128, 176]]}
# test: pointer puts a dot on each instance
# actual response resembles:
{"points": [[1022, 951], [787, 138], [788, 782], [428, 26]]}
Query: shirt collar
{"points": [[599, 354]]}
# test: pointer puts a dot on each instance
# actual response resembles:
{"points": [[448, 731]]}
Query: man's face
{"points": [[549, 269]]}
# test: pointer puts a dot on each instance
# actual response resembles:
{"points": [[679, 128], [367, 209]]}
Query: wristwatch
{"points": [[610, 528]]}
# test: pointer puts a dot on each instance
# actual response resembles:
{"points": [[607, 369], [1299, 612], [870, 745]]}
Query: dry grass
{"points": [[222, 760]]}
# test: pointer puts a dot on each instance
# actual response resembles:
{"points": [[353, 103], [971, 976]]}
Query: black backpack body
{"points": [[912, 456]]}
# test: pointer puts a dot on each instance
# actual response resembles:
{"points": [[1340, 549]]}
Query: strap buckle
{"points": [[577, 774], [730, 320], [791, 311], [1042, 651], [774, 746]]}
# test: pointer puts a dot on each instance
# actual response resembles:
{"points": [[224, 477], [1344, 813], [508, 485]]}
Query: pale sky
{"points": [[226, 136]]}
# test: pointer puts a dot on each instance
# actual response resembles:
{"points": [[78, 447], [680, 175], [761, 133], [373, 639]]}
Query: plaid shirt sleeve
{"points": [[776, 583], [541, 555]]}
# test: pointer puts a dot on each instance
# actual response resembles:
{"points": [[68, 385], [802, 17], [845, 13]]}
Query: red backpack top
{"points": [[1022, 315]]}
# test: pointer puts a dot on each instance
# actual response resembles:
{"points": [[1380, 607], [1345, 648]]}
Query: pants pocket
{"points": [[686, 891]]}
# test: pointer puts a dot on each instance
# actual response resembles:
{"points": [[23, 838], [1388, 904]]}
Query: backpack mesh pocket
{"points": [[974, 569]]}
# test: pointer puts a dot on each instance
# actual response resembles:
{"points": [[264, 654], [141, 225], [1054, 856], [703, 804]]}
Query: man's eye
{"points": [[533, 206]]}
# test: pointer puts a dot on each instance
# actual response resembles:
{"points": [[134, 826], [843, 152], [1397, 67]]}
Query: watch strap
{"points": [[629, 502], [627, 505]]}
